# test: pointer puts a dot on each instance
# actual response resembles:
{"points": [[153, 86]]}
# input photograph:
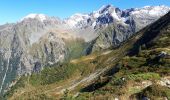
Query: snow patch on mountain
{"points": [[106, 14], [76, 18], [40, 17], [109, 13], [152, 10]]}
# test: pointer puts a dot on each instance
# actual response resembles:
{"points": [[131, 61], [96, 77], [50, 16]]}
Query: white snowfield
{"points": [[78, 18], [41, 17]]}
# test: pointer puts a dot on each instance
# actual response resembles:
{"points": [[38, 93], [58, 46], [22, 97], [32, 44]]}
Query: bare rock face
{"points": [[113, 35], [27, 47], [49, 50]]}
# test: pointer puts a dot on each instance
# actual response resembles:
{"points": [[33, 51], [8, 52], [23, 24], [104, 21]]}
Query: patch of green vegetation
{"points": [[146, 61], [155, 91], [51, 75], [42, 97], [135, 77], [75, 48], [133, 90], [134, 62], [34, 97], [143, 76]]}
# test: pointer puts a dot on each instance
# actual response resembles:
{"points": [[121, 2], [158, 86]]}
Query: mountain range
{"points": [[38, 41]]}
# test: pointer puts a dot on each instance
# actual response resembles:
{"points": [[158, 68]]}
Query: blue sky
{"points": [[13, 10]]}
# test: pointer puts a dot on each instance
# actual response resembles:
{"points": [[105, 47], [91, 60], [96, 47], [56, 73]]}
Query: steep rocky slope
{"points": [[17, 57]]}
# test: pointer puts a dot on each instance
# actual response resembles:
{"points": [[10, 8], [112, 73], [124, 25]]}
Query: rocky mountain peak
{"points": [[107, 9]]}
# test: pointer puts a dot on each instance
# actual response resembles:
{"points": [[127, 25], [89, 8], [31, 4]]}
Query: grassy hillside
{"points": [[75, 48], [138, 69], [54, 80], [147, 63]]}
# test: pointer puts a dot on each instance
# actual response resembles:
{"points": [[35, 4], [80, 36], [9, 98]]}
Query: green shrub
{"points": [[53, 74], [143, 76], [155, 91]]}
